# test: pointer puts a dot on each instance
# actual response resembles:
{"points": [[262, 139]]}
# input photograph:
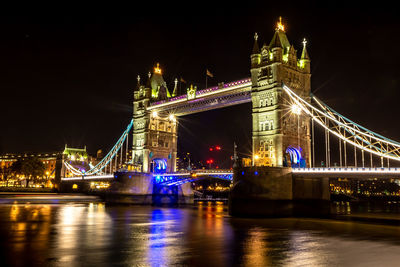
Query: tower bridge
{"points": [[284, 114]]}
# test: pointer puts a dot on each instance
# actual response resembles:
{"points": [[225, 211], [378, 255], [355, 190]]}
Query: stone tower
{"points": [[154, 134], [281, 133]]}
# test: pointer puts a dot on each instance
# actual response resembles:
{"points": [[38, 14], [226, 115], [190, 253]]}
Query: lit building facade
{"points": [[281, 133], [52, 161]]}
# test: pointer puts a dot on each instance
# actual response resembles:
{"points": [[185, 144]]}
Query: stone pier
{"points": [[139, 188], [276, 192]]}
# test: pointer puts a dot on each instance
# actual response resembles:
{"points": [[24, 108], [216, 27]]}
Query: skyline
{"points": [[84, 74]]}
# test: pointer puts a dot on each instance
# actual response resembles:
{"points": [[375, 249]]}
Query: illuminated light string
{"points": [[335, 120], [372, 134], [169, 179], [110, 176], [106, 160], [351, 129], [347, 170], [230, 86]]}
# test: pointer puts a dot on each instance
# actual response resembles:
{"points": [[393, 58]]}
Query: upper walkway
{"points": [[228, 94]]}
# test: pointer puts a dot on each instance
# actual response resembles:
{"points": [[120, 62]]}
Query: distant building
{"points": [[368, 187], [53, 162]]}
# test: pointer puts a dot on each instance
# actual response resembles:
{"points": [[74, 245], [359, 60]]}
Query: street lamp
{"points": [[255, 157], [297, 110]]}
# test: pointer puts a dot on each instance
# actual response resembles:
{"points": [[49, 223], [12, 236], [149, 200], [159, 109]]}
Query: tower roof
{"points": [[280, 39], [157, 81]]}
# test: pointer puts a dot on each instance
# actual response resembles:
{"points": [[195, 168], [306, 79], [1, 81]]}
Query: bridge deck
{"points": [[229, 94], [348, 172]]}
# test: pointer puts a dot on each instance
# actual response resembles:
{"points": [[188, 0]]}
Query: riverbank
{"points": [[45, 198], [26, 189]]}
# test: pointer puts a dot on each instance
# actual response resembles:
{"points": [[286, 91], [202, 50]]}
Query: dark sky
{"points": [[67, 74]]}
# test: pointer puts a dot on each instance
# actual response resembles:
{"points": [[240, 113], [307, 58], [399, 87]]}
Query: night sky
{"points": [[67, 76]]}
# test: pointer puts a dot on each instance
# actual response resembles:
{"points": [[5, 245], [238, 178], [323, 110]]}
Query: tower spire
{"points": [[304, 53], [175, 92], [256, 49], [138, 83], [279, 25]]}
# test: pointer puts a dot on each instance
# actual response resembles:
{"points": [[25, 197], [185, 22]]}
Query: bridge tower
{"points": [[280, 132], [154, 134]]}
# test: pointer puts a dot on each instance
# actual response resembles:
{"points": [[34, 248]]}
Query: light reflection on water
{"points": [[89, 234]]}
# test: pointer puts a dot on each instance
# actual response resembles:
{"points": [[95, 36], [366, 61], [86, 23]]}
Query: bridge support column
{"points": [[139, 188], [275, 192]]}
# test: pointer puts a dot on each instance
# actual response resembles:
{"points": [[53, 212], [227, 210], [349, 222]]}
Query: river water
{"points": [[91, 233]]}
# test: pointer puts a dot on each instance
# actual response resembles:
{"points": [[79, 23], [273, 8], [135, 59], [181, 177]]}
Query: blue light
{"points": [[160, 165], [295, 154], [256, 172], [242, 172]]}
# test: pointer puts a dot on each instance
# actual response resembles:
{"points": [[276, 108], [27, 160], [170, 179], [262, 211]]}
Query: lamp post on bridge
{"points": [[297, 111]]}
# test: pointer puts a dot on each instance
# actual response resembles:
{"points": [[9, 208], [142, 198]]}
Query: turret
{"points": [[175, 92], [305, 59], [255, 60], [255, 54], [136, 91]]}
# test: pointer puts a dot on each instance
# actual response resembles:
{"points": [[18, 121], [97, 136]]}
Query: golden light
{"points": [[296, 109], [280, 26], [74, 186], [157, 69], [256, 157], [172, 117]]}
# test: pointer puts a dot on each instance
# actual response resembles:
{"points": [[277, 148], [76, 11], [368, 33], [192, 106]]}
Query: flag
{"points": [[182, 80], [208, 73]]}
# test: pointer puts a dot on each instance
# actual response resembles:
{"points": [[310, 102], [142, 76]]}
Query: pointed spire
{"points": [[256, 50], [304, 53], [148, 84], [280, 26], [138, 83], [175, 92]]}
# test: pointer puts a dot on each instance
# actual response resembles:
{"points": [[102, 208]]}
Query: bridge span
{"points": [[348, 172], [178, 178]]}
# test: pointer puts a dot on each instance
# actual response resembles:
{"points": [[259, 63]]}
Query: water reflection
{"points": [[166, 240], [94, 234]]}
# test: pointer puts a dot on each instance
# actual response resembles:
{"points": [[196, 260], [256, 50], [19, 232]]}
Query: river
{"points": [[57, 231]]}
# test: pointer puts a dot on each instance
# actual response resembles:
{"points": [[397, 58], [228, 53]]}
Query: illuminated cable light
{"points": [[297, 99]]}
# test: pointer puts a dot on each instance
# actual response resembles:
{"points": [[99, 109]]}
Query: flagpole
{"points": [[206, 80]]}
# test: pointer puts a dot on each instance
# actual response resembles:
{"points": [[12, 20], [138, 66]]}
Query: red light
{"points": [[218, 148], [211, 149]]}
